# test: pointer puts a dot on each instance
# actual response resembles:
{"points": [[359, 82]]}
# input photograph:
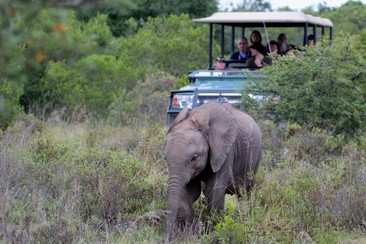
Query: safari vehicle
{"points": [[228, 84]]}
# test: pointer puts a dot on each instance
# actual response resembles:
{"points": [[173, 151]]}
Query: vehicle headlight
{"points": [[257, 98], [182, 100]]}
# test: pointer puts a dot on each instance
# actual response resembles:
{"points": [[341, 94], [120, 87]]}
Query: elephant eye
{"points": [[195, 157]]}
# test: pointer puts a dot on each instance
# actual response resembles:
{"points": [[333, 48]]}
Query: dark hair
{"points": [[259, 35], [281, 36], [311, 37], [273, 42]]}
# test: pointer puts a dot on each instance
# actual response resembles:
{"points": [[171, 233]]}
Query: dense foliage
{"points": [[324, 87], [61, 63], [120, 11], [253, 5], [349, 18]]}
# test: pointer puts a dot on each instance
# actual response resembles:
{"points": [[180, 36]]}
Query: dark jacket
{"points": [[237, 56], [260, 48]]}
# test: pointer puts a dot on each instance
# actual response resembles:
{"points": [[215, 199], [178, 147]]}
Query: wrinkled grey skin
{"points": [[214, 144]]}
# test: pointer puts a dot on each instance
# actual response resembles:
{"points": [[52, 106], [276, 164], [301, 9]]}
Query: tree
{"points": [[119, 11], [254, 6], [193, 8], [12, 60], [349, 18]]}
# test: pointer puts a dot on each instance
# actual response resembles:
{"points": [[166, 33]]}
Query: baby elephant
{"points": [[214, 144]]}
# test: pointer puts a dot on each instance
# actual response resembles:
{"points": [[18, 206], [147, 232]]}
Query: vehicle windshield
{"points": [[223, 79]]}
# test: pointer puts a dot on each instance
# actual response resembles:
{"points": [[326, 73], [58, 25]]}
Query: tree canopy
{"points": [[254, 5]]}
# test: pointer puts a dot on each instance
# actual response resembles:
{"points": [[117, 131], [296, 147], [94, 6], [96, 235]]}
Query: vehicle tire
{"points": [[170, 118]]}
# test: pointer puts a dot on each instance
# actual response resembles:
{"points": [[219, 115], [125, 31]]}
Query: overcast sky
{"points": [[294, 4]]}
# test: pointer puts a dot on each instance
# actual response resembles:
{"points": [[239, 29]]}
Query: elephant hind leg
{"points": [[249, 183], [231, 190]]}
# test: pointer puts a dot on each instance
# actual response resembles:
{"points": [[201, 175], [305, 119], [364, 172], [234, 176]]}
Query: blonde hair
{"points": [[242, 39]]}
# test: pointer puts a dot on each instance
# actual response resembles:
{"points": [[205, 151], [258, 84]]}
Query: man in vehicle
{"points": [[245, 53]]}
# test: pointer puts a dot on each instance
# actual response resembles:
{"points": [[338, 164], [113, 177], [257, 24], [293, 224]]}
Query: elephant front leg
{"points": [[215, 193], [192, 192]]}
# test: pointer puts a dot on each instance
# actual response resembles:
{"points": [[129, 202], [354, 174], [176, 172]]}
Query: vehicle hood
{"points": [[221, 81], [216, 85]]}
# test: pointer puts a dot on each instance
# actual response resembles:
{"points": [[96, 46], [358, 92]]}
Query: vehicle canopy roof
{"points": [[270, 19]]}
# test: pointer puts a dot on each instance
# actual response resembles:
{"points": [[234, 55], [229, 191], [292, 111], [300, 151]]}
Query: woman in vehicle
{"points": [[256, 41]]}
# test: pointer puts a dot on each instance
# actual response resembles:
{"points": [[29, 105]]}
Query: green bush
{"points": [[93, 82], [57, 37], [323, 87], [10, 93], [147, 101], [159, 46], [349, 17], [104, 70]]}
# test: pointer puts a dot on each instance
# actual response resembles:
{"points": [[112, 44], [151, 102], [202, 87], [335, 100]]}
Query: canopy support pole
{"points": [[222, 39], [242, 32], [314, 33], [305, 34], [330, 35], [210, 47], [232, 39]]}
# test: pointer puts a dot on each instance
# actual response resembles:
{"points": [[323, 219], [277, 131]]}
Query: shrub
{"points": [[322, 88], [315, 196], [103, 71], [148, 100], [65, 183], [10, 93], [159, 46], [56, 43], [93, 82]]}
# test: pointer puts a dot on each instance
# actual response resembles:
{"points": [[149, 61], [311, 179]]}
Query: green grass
{"points": [[85, 183]]}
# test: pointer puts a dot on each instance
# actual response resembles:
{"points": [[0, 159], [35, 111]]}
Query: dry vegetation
{"points": [[85, 182]]}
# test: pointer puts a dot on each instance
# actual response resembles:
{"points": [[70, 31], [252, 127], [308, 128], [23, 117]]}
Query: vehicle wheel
{"points": [[170, 118]]}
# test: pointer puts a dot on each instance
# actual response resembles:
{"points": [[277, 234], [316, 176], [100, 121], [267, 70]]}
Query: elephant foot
{"points": [[183, 230]]}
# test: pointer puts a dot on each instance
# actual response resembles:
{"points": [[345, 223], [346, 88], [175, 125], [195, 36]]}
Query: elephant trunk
{"points": [[175, 192]]}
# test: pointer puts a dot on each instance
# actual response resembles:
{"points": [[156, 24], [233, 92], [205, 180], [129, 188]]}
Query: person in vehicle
{"points": [[311, 40], [219, 64], [283, 46], [273, 48], [256, 41], [245, 53]]}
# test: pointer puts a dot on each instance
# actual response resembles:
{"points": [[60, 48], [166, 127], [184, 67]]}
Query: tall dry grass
{"points": [[93, 182]]}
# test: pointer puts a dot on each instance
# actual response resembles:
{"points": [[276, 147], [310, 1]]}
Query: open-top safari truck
{"points": [[227, 84]]}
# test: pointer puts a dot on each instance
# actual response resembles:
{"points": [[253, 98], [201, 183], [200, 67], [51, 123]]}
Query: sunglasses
{"points": [[243, 43]]}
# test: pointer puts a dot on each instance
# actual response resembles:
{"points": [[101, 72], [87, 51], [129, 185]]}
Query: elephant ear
{"points": [[180, 117], [221, 129]]}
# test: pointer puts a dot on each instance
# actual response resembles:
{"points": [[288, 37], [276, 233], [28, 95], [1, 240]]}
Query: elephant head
{"points": [[197, 142]]}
